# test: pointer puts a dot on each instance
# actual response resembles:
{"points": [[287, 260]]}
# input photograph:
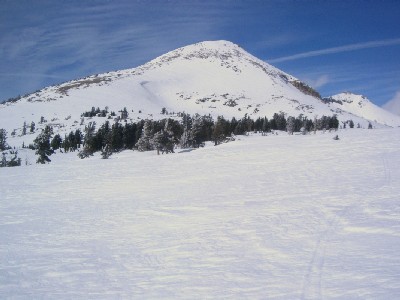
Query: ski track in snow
{"points": [[276, 217]]}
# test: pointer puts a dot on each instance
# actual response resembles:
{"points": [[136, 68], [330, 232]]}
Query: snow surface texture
{"points": [[276, 217], [217, 78]]}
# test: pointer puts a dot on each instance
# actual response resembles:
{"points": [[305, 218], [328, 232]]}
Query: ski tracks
{"points": [[387, 171], [312, 283]]}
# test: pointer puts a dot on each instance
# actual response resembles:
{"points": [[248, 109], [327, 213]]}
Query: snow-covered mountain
{"points": [[217, 78], [361, 106]]}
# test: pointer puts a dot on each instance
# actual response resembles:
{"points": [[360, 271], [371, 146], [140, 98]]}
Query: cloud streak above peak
{"points": [[340, 49]]}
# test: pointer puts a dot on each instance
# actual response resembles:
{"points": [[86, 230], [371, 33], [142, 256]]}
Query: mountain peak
{"points": [[350, 97], [216, 78]]}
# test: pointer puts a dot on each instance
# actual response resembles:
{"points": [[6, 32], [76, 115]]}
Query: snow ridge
{"points": [[361, 106]]}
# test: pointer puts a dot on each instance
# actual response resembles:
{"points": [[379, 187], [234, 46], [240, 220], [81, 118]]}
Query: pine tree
{"points": [[186, 140], [89, 146], [32, 128], [117, 141], [78, 137], [129, 135], [24, 129], [164, 140], [56, 142], [144, 143], [265, 126], [107, 150], [3, 161], [15, 161], [197, 133], [170, 136], [290, 125], [334, 122], [3, 139], [219, 130], [42, 145], [240, 128], [280, 121], [124, 114]]}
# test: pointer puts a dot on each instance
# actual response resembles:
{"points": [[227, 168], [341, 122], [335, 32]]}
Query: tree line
{"points": [[166, 134], [191, 131]]}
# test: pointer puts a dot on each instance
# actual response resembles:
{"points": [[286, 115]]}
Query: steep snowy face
{"points": [[361, 106]]}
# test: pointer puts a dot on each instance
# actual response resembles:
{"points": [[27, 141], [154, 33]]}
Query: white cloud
{"points": [[393, 105], [346, 48], [318, 82]]}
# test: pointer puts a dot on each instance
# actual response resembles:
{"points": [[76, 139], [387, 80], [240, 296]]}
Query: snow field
{"points": [[276, 217]]}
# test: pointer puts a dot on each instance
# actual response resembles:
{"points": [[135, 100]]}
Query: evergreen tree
{"points": [[89, 146], [144, 144], [258, 124], [233, 125], [351, 124], [240, 128], [173, 131], [56, 142], [129, 135], [164, 140], [124, 114], [369, 125], [3, 161], [334, 122], [78, 137], [265, 126], [220, 130], [280, 121], [24, 129], [3, 139], [32, 128], [15, 161], [117, 141], [65, 144], [197, 133], [42, 145], [107, 150], [290, 125], [186, 140]]}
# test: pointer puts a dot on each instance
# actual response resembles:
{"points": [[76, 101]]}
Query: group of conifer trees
{"points": [[191, 132], [166, 134], [5, 162]]}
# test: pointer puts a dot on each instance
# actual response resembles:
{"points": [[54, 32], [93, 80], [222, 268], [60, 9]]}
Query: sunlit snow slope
{"points": [[264, 217], [217, 78], [361, 106]]}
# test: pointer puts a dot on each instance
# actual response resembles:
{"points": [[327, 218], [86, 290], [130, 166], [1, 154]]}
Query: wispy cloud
{"points": [[87, 39], [346, 48], [393, 105], [319, 81]]}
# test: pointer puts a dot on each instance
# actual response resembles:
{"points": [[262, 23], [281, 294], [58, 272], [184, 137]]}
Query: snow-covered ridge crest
{"points": [[361, 106]]}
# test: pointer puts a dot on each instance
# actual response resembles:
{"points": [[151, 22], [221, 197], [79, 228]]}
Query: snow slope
{"points": [[217, 78], [361, 106], [276, 217]]}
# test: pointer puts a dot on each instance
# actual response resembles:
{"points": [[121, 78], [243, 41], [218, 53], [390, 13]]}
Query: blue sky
{"points": [[334, 46]]}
